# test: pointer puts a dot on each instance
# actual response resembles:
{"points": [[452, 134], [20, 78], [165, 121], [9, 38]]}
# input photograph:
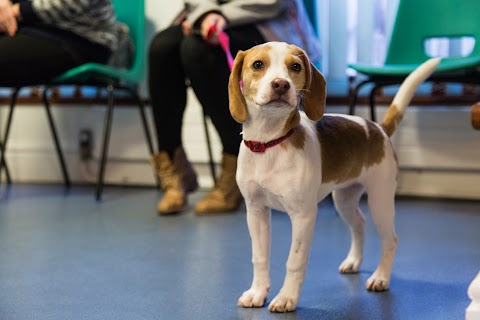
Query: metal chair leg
{"points": [[209, 149], [3, 165], [146, 128], [354, 96], [58, 147], [371, 100], [106, 137], [143, 118], [13, 101], [378, 84]]}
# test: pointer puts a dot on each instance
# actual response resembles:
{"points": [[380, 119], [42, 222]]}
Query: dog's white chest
{"points": [[277, 179]]}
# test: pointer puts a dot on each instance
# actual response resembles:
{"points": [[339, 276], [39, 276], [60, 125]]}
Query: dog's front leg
{"points": [[258, 220], [302, 233]]}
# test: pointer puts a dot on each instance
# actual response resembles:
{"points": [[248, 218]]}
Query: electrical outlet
{"points": [[85, 144]]}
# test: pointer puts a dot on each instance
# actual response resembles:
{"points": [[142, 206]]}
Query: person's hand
{"points": [[212, 19], [8, 17], [187, 28]]}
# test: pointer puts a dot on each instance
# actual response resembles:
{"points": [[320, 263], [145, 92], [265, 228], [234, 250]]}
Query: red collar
{"points": [[256, 146]]}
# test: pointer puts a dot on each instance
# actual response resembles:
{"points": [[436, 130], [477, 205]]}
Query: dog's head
{"points": [[275, 78]]}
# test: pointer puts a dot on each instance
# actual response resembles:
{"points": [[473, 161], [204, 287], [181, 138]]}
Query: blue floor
{"points": [[65, 256]]}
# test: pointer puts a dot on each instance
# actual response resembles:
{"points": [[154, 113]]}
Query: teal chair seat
{"points": [[95, 72], [415, 23]]}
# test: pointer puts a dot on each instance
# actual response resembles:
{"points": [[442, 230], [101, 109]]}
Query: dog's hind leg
{"points": [[381, 202], [346, 202]]}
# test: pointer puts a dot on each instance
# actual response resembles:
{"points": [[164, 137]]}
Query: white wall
{"points": [[438, 151]]}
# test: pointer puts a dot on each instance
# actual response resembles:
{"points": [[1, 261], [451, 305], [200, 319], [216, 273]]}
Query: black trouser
{"points": [[174, 58], [34, 57]]}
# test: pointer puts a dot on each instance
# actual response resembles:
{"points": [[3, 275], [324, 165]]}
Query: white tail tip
{"points": [[410, 84]]}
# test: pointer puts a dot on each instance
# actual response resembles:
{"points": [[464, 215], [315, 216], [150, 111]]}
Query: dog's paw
{"points": [[377, 282], [350, 265], [283, 303], [253, 298]]}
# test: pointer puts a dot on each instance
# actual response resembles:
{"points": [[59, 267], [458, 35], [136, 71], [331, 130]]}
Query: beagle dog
{"points": [[291, 160]]}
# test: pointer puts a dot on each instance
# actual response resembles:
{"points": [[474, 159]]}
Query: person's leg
{"points": [[36, 55], [206, 67], [29, 60], [208, 72], [166, 83]]}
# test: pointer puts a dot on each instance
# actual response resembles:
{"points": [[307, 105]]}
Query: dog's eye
{"points": [[258, 65], [296, 67]]}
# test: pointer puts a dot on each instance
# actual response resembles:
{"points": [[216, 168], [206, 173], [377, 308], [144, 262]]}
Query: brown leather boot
{"points": [[225, 196], [177, 178]]}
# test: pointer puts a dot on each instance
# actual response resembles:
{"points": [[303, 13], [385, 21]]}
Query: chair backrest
{"points": [[132, 13], [419, 20]]}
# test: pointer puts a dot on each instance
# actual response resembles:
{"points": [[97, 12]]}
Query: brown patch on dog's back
{"points": [[346, 147]]}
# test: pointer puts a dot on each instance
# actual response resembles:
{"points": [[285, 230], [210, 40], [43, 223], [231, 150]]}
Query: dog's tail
{"points": [[405, 94]]}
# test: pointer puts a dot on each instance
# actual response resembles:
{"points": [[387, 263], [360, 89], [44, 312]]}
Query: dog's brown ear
{"points": [[315, 92], [238, 105]]}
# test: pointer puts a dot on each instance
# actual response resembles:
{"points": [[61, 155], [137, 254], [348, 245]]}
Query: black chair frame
{"points": [[13, 101], [111, 88]]}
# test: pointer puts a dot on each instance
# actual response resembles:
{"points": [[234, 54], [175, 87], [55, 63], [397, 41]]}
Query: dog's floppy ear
{"points": [[315, 91], [238, 105]]}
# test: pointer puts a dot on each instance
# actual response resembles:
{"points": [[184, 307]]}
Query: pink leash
{"points": [[224, 43]]}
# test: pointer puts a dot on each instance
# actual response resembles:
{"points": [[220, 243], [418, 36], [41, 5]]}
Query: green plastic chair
{"points": [[112, 78], [417, 21]]}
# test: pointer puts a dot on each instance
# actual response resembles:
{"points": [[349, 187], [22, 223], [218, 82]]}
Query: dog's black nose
{"points": [[280, 86]]}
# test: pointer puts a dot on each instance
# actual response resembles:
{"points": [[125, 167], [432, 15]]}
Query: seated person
{"points": [[40, 40], [184, 51]]}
